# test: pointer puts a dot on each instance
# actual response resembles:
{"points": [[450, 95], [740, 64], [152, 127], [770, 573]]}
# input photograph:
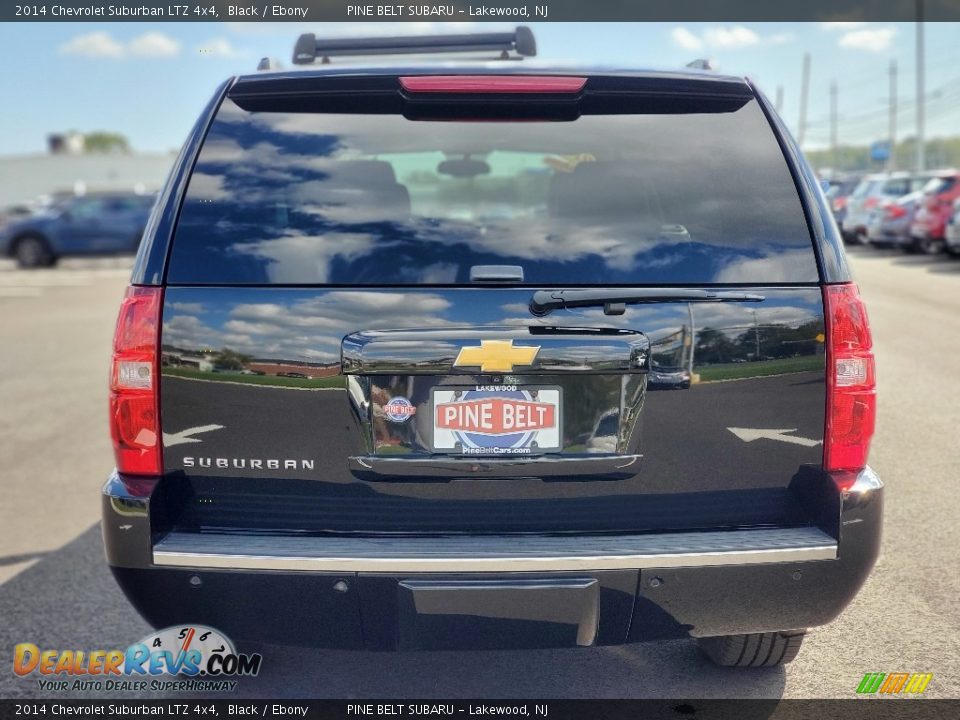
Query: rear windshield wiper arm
{"points": [[614, 302]]}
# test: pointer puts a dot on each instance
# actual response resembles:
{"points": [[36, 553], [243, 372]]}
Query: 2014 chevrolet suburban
{"points": [[390, 372]]}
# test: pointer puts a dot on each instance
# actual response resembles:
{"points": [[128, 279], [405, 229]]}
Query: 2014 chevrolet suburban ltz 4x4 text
{"points": [[492, 356]]}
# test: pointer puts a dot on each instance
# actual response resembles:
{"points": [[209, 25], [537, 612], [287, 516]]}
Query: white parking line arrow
{"points": [[751, 434], [185, 436]]}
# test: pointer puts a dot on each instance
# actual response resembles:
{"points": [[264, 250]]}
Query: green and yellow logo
{"points": [[894, 683]]}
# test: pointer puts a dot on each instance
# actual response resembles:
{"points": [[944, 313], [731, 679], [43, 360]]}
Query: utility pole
{"points": [[756, 334], [804, 89], [833, 126], [892, 159], [778, 105], [921, 145]]}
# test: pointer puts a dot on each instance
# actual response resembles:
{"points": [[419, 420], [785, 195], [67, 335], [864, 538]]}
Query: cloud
{"points": [[154, 44], [186, 307], [104, 45], [302, 328], [779, 39], [686, 39], [221, 47], [870, 40], [94, 45], [725, 37], [736, 36]]}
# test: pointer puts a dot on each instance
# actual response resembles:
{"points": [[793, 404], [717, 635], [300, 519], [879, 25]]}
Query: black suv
{"points": [[382, 378]]}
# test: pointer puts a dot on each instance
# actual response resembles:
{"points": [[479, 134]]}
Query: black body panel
{"points": [[317, 437]]}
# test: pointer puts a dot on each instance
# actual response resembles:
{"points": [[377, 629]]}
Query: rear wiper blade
{"points": [[614, 302]]}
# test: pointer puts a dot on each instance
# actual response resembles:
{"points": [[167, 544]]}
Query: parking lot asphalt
{"points": [[55, 328]]}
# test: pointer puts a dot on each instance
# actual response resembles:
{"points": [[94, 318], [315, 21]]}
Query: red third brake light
{"points": [[851, 383], [134, 411], [492, 84]]}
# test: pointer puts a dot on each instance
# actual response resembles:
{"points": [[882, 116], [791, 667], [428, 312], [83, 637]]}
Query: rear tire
{"points": [[32, 251], [753, 650]]}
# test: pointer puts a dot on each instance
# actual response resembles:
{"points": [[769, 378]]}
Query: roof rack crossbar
{"points": [[521, 41]]}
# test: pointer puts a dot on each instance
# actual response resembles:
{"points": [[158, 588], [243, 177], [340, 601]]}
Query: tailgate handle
{"points": [[614, 302]]}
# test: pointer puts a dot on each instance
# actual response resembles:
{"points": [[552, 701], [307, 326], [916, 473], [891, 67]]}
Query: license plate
{"points": [[497, 420]]}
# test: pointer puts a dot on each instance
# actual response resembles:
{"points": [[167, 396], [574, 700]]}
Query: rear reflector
{"points": [[851, 383], [134, 412], [492, 84]]}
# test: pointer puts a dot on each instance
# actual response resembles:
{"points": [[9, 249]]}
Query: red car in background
{"points": [[930, 222]]}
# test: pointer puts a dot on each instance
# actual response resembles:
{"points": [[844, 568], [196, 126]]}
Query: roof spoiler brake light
{"points": [[493, 84]]}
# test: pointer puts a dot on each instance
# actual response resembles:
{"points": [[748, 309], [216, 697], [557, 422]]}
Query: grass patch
{"points": [[735, 371], [334, 381]]}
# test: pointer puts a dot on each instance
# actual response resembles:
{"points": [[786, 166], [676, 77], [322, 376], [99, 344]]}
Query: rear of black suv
{"points": [[419, 360]]}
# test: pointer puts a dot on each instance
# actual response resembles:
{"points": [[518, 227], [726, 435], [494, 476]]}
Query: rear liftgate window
{"points": [[378, 199]]}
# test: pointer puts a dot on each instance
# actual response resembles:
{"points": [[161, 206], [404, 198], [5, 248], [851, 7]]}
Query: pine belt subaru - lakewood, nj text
{"points": [[390, 371]]}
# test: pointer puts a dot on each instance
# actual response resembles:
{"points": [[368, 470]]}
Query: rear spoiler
{"points": [[521, 41]]}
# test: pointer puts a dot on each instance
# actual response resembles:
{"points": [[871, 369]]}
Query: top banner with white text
{"points": [[485, 11]]}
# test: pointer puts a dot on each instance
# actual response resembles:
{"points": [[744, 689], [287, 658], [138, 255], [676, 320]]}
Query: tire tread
{"points": [[753, 649]]}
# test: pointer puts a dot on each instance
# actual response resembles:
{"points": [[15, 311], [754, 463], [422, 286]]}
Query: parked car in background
{"points": [[952, 234], [930, 223], [94, 223], [838, 194], [889, 225], [873, 192]]}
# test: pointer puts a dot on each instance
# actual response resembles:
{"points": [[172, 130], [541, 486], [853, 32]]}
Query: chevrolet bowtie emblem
{"points": [[496, 356]]}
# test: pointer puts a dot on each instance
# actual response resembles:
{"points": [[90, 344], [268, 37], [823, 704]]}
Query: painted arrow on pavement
{"points": [[751, 434], [186, 436]]}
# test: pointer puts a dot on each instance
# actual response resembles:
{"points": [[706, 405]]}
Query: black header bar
{"points": [[485, 11], [183, 707]]}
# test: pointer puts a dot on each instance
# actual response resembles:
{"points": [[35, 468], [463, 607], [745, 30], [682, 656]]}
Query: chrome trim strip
{"points": [[435, 351], [494, 555], [376, 467]]}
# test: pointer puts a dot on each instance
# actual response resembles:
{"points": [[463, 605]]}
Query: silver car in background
{"points": [[873, 192], [889, 224]]}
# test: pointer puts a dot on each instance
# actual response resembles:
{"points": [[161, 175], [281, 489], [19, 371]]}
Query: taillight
{"points": [[895, 211], [851, 383], [134, 410]]}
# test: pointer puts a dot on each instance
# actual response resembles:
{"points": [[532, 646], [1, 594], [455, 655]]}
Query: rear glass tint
{"points": [[354, 199]]}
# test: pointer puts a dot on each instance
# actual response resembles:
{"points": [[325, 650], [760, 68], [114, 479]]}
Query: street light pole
{"points": [[921, 145], [892, 158]]}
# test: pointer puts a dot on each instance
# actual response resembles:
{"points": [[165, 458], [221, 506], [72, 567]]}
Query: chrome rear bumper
{"points": [[492, 554]]}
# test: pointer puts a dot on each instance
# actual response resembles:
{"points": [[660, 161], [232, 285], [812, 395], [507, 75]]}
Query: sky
{"points": [[149, 81]]}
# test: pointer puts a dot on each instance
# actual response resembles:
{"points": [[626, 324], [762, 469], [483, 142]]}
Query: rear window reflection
{"points": [[278, 198]]}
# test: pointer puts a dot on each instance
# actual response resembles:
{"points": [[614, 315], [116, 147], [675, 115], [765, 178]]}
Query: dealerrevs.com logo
{"points": [[894, 683], [204, 659]]}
